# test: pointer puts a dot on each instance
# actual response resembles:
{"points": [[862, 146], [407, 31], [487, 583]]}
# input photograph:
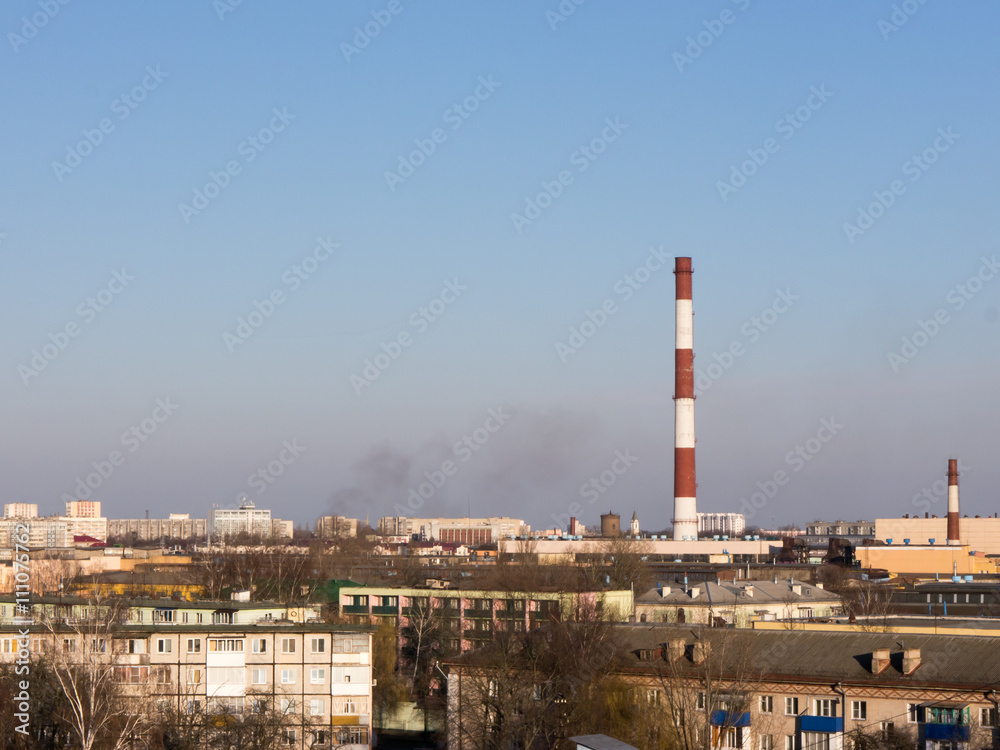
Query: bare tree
{"points": [[716, 675], [84, 660], [536, 689], [869, 603]]}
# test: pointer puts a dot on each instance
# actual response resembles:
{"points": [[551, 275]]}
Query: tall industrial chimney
{"points": [[685, 508], [953, 535]]}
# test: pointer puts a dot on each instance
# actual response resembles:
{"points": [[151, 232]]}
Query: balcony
{"points": [[730, 719], [385, 609], [355, 609], [510, 614], [477, 635], [821, 723], [479, 614], [946, 732]]}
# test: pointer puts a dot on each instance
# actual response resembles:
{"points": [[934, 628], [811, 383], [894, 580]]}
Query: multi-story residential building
{"points": [[472, 616], [332, 527], [20, 510], [469, 531], [841, 528], [51, 532], [248, 519], [730, 524], [176, 526], [737, 603], [223, 658], [83, 509], [774, 689]]}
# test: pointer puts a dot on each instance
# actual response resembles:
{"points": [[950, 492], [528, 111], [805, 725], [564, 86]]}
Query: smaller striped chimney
{"points": [[953, 535]]}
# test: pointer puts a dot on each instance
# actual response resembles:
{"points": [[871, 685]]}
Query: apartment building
{"points": [[249, 519], [50, 532], [225, 659], [175, 526], [730, 524], [736, 603], [20, 510], [794, 690], [83, 509], [333, 527], [473, 616]]}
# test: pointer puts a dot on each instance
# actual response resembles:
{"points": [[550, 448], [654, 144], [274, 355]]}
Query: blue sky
{"points": [[701, 160]]}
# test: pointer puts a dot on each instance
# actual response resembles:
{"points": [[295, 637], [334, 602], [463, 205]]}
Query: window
{"points": [[194, 676], [319, 645], [988, 717], [163, 615], [815, 741], [320, 738], [791, 706], [288, 736], [136, 646], [912, 713], [99, 645], [886, 728], [825, 707], [225, 644], [287, 676], [790, 742], [164, 646], [699, 701], [194, 645], [163, 676], [729, 737], [766, 707], [859, 710], [288, 645], [258, 676], [184, 617], [288, 705], [131, 675], [193, 706], [316, 707], [198, 617], [69, 646], [260, 645], [317, 676], [767, 742], [226, 675], [224, 617]]}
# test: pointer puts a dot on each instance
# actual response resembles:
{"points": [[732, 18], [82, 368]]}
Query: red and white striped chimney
{"points": [[685, 518], [953, 534]]}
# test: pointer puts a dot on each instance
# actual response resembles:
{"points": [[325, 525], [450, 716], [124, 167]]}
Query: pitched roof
{"points": [[742, 592], [966, 662]]}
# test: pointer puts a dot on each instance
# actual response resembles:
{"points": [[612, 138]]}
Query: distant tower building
{"points": [[635, 524], [610, 524]]}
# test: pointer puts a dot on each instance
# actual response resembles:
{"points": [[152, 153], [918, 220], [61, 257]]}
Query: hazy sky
{"points": [[216, 216]]}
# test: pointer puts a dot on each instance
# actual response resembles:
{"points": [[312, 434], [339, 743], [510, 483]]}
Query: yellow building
{"points": [[926, 559]]}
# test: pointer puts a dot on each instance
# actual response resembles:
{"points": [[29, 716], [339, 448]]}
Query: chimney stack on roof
{"points": [[880, 660], [911, 660]]}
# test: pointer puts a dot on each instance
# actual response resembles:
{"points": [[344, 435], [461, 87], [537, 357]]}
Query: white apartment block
{"points": [[730, 524], [248, 519]]}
